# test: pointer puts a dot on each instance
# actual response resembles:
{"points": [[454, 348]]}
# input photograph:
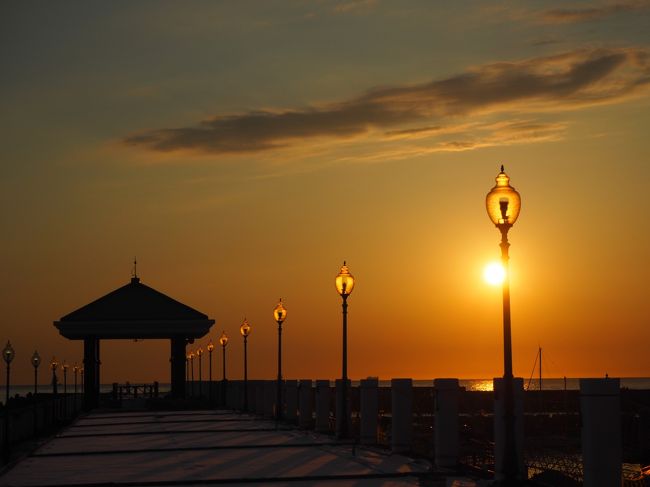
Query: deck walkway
{"points": [[193, 448]]}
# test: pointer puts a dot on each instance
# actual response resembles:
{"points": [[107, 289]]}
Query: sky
{"points": [[242, 150]]}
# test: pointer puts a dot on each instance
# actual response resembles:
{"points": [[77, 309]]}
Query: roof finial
{"points": [[134, 271], [502, 170]]}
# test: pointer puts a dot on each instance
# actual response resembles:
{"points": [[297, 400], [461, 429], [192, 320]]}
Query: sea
{"points": [[570, 383]]}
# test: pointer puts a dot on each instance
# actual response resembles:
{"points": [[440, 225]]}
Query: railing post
{"points": [[402, 415], [369, 410], [600, 406], [291, 397], [305, 404], [269, 398], [322, 406], [446, 441], [500, 427]]}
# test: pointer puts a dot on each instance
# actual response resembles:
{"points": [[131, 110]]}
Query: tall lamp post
{"points": [[65, 389], [55, 382], [191, 357], [75, 369], [245, 330], [344, 284], [210, 348], [199, 353], [36, 361], [503, 204], [279, 313], [223, 341], [8, 355]]}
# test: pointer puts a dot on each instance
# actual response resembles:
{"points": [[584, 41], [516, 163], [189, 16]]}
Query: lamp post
{"points": [[81, 374], [279, 313], [223, 341], [245, 330], [65, 389], [199, 353], [53, 365], [344, 284], [503, 204], [210, 348], [191, 357], [75, 369], [36, 361], [8, 355]]}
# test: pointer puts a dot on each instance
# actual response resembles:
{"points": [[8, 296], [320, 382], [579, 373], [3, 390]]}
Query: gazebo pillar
{"points": [[178, 366], [91, 372]]}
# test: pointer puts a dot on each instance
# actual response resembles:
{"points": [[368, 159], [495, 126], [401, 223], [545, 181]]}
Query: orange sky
{"points": [[242, 154]]}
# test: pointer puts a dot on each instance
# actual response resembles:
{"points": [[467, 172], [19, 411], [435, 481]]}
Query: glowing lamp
{"points": [[75, 368], [245, 328], [210, 346], [223, 339], [279, 313], [36, 360], [502, 202], [54, 364], [8, 353], [65, 366], [344, 281]]}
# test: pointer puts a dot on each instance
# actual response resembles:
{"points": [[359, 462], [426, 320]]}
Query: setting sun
{"points": [[494, 273]]}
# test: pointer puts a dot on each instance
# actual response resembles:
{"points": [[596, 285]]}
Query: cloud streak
{"points": [[561, 82], [574, 15]]}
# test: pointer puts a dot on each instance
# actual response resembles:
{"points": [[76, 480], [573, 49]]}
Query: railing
{"points": [[552, 424], [134, 391], [32, 416]]}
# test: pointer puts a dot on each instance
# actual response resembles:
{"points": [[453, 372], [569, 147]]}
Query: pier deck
{"points": [[192, 448]]}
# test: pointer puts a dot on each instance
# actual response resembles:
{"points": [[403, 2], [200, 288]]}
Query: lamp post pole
{"points": [[503, 205], [55, 381], [75, 369], [210, 349], [344, 285], [192, 371], [36, 361], [199, 353], [223, 341], [245, 330], [65, 389], [279, 313], [8, 355]]}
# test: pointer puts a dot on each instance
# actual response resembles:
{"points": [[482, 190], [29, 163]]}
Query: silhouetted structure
{"points": [[134, 311]]}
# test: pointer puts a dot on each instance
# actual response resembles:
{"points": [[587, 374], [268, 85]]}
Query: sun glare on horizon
{"points": [[494, 273]]}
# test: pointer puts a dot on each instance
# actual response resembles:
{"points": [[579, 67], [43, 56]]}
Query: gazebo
{"points": [[134, 311]]}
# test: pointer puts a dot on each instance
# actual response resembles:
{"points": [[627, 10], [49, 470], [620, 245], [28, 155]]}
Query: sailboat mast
{"points": [[540, 368]]}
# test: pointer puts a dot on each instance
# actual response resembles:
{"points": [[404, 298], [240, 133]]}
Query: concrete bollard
{"points": [[500, 427], [339, 414], [402, 415], [305, 404], [291, 400], [369, 410], [322, 406], [600, 406], [446, 440], [269, 398]]}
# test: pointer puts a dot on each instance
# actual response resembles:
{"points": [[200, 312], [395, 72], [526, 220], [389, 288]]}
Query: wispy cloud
{"points": [[354, 5], [565, 81], [574, 15]]}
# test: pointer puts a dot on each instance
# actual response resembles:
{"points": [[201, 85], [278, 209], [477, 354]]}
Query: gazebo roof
{"points": [[134, 311]]}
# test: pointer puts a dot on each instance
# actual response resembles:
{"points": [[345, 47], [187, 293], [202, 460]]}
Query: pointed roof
{"points": [[135, 301], [134, 311]]}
